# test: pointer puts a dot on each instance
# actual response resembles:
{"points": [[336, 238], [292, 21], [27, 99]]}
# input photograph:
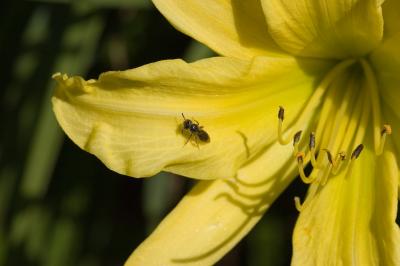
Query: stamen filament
{"points": [[297, 204], [372, 85], [314, 100], [329, 156], [326, 175], [339, 129], [338, 163], [354, 155], [300, 166], [319, 163]]}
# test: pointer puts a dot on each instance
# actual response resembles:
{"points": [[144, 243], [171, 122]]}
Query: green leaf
{"points": [[79, 43]]}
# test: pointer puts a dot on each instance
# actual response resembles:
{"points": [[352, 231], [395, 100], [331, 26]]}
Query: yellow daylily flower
{"points": [[332, 66]]}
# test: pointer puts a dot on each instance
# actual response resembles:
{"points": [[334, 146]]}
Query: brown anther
{"points": [[300, 157], [329, 155], [297, 137], [357, 151], [281, 113], [312, 141], [342, 155], [387, 129]]}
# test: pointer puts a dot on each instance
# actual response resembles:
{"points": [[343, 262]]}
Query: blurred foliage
{"points": [[59, 205]]}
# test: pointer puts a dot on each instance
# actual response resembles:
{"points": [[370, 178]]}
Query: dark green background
{"points": [[58, 204]]}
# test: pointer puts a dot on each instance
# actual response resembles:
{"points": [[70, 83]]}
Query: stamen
{"points": [[282, 141], [300, 159], [386, 130], [281, 116]]}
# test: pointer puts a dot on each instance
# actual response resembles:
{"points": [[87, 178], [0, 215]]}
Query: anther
{"points": [[386, 130], [329, 155], [311, 146], [312, 141], [296, 138], [281, 113], [281, 116], [357, 152]]}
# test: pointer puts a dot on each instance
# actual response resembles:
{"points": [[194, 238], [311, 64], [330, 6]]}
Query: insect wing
{"points": [[203, 136]]}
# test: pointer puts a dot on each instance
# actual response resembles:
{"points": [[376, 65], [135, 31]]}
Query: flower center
{"points": [[348, 100]]}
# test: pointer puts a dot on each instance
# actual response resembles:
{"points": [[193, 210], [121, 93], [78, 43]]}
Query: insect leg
{"points": [[191, 134]]}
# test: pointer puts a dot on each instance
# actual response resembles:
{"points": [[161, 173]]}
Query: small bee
{"points": [[194, 129]]}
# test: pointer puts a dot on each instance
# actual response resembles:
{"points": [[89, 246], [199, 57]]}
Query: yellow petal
{"points": [[351, 221], [231, 28], [132, 120], [215, 215], [327, 29], [386, 58]]}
